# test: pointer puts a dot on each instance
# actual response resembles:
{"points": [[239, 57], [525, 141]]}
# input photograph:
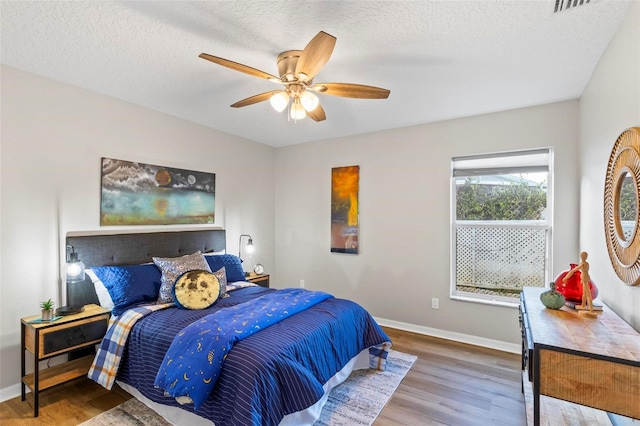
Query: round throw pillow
{"points": [[197, 289]]}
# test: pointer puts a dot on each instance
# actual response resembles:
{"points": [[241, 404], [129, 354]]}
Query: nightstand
{"points": [[48, 339], [260, 279]]}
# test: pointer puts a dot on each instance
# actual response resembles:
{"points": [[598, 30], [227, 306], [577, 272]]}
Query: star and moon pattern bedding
{"points": [[266, 375]]}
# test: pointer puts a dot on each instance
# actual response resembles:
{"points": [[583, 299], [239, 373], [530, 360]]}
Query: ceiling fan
{"points": [[297, 68]]}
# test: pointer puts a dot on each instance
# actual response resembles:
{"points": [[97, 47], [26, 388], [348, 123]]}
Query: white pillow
{"points": [[103, 294]]}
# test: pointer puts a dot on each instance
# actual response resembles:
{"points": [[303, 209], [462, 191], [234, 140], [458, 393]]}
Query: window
{"points": [[501, 225]]}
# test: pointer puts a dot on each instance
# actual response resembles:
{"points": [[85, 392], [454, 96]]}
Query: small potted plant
{"points": [[47, 310]]}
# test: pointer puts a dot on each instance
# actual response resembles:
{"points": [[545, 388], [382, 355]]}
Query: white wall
{"points": [[609, 105], [53, 137], [404, 213]]}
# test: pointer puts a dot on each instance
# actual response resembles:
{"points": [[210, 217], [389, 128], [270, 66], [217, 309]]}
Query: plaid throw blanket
{"points": [[378, 356], [107, 360]]}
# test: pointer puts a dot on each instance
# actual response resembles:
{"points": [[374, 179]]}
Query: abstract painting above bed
{"points": [[144, 194]]}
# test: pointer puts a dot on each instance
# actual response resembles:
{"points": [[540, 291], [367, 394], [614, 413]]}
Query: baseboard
{"points": [[450, 335], [10, 392]]}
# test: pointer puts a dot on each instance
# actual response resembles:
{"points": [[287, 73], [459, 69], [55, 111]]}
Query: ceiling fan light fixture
{"points": [[297, 70], [279, 101], [309, 100], [297, 110]]}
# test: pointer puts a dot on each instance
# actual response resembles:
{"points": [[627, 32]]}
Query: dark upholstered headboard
{"points": [[133, 249]]}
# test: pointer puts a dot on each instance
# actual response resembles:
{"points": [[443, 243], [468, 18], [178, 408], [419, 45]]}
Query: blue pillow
{"points": [[129, 285], [232, 264]]}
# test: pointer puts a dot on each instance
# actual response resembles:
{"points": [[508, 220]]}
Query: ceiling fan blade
{"points": [[349, 90], [317, 114], [255, 99], [239, 67], [315, 55]]}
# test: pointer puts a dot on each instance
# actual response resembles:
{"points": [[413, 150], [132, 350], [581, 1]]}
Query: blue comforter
{"points": [[195, 358], [270, 374]]}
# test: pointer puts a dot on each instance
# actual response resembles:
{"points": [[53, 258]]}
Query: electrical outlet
{"points": [[435, 303], [301, 283]]}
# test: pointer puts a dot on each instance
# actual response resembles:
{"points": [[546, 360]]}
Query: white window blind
{"points": [[531, 161]]}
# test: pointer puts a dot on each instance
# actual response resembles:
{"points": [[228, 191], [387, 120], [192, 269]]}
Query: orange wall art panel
{"points": [[344, 209]]}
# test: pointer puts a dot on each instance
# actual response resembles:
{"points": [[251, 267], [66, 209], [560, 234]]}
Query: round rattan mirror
{"points": [[621, 206]]}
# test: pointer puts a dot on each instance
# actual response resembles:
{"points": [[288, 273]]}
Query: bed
{"points": [[280, 373]]}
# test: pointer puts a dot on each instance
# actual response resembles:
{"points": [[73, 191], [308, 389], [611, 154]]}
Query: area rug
{"points": [[357, 401]]}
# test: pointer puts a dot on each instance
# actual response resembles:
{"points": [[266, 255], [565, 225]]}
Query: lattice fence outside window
{"points": [[500, 257]]}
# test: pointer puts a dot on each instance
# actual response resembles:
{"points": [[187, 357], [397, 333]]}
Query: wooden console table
{"points": [[588, 361]]}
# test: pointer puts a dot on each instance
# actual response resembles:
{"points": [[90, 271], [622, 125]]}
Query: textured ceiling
{"points": [[440, 59]]}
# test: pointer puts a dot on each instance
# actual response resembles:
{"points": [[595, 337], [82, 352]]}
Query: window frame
{"points": [[492, 169]]}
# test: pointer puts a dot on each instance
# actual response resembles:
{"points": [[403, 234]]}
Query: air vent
{"points": [[569, 4]]}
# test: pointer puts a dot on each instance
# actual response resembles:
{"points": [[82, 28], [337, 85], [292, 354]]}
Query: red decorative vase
{"points": [[572, 288]]}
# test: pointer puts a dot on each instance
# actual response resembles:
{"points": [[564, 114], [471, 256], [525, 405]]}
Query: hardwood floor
{"points": [[455, 384], [450, 384], [68, 404]]}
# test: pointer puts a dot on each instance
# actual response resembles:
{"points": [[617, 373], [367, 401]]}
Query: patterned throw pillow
{"points": [[221, 275], [196, 290], [173, 267]]}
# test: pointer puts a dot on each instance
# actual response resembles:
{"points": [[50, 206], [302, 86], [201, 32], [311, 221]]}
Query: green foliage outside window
{"points": [[515, 201]]}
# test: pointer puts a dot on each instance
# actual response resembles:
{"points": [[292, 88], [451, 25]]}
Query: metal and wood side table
{"points": [[47, 339]]}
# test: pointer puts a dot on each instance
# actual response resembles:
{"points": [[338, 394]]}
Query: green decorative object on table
{"points": [[552, 298]]}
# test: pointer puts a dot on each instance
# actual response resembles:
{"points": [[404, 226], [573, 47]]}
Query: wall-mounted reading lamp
{"points": [[74, 273]]}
